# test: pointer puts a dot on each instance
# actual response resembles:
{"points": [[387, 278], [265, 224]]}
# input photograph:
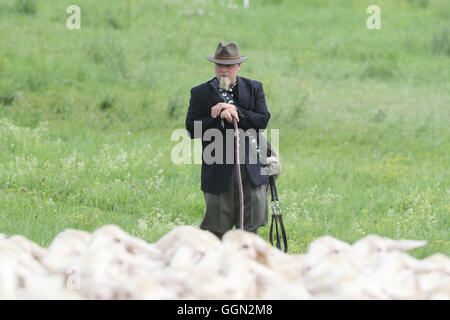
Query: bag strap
{"points": [[277, 218]]}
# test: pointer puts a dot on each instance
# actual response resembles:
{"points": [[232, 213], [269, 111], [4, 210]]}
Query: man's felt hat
{"points": [[227, 53]]}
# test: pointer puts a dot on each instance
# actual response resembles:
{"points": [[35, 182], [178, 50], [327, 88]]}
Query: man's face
{"points": [[227, 70]]}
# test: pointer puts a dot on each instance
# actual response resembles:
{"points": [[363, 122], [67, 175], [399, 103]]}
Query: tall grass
{"points": [[87, 115]]}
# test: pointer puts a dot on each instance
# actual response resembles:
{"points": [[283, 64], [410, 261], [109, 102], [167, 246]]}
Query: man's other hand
{"points": [[229, 114]]}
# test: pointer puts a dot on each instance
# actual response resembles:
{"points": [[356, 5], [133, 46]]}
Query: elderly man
{"points": [[218, 180]]}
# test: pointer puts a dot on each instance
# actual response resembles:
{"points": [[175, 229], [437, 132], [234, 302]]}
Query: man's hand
{"points": [[217, 109], [228, 114]]}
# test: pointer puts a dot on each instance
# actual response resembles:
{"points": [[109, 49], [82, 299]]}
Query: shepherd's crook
{"points": [[238, 173]]}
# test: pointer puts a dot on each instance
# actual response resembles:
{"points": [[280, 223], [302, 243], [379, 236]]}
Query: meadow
{"points": [[86, 116]]}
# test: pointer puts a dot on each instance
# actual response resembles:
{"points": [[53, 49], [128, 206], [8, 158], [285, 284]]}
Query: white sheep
{"points": [[189, 263], [65, 250], [25, 244]]}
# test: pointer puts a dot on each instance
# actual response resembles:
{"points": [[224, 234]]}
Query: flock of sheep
{"points": [[188, 263]]}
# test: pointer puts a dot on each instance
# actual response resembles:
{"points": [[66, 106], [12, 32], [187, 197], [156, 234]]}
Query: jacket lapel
{"points": [[243, 94]]}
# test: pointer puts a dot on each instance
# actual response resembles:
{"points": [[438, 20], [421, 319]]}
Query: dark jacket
{"points": [[253, 113]]}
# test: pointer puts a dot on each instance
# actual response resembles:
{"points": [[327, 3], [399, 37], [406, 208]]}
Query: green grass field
{"points": [[86, 116]]}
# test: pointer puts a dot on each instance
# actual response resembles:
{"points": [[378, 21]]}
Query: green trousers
{"points": [[223, 211]]}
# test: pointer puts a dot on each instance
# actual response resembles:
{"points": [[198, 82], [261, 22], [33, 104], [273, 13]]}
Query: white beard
{"points": [[224, 83]]}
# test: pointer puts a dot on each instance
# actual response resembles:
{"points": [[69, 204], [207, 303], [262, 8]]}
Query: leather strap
{"points": [[226, 57], [277, 218]]}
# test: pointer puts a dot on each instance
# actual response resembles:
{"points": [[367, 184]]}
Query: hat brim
{"points": [[226, 61]]}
